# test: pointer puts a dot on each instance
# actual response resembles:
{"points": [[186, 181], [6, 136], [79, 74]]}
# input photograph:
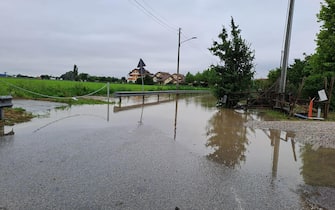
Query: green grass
{"points": [[23, 88], [277, 115]]}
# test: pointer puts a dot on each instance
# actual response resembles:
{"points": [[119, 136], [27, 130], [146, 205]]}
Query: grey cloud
{"points": [[108, 37]]}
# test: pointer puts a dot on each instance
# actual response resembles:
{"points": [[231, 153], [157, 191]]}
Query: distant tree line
{"points": [[207, 78], [74, 75]]}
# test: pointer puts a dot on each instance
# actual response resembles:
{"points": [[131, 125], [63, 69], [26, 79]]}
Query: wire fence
{"points": [[53, 97]]}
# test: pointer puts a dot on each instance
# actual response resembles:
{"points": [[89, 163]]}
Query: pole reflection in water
{"points": [[275, 137], [231, 142], [141, 117], [5, 138], [2, 130], [275, 142], [175, 118]]}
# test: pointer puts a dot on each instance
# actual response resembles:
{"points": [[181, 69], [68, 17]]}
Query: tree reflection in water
{"points": [[227, 136], [318, 167]]}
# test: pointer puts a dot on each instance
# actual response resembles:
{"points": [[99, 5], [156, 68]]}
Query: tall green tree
{"points": [[236, 69], [325, 51]]}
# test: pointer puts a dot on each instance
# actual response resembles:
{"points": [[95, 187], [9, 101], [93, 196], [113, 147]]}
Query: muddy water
{"points": [[220, 136], [220, 156]]}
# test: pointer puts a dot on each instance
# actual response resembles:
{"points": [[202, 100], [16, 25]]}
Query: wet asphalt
{"points": [[84, 162]]}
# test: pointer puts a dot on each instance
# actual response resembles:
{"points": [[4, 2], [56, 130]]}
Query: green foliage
{"points": [[209, 76], [316, 82], [295, 73], [204, 79], [325, 51], [312, 85], [83, 77], [273, 75], [189, 78], [147, 80], [199, 77], [276, 115], [236, 72], [68, 76], [261, 84]]}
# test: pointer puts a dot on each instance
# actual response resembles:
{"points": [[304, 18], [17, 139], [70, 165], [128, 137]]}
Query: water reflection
{"points": [[3, 133], [6, 138], [175, 118], [140, 122], [318, 167], [136, 102], [206, 101], [227, 136], [275, 137], [2, 130], [235, 145]]}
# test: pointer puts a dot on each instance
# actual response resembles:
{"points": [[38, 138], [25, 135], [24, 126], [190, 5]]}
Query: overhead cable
{"points": [[154, 17]]}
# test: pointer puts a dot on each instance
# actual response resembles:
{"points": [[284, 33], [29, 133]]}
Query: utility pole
{"points": [[282, 84], [178, 58]]}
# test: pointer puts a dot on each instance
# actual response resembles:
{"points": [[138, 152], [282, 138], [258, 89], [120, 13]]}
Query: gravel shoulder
{"points": [[316, 133]]}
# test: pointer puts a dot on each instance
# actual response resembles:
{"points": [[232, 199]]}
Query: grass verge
{"points": [[15, 115]]}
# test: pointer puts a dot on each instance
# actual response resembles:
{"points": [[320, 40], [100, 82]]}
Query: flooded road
{"points": [[185, 153]]}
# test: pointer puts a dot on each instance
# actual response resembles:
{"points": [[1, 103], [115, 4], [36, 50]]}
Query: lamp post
{"points": [[178, 59]]}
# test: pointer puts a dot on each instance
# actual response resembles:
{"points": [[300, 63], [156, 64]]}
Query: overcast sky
{"points": [[108, 37]]}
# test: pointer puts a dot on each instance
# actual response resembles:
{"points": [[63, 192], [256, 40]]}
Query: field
{"points": [[65, 90]]}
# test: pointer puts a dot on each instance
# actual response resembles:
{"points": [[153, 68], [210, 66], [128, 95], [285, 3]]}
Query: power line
{"points": [[154, 17], [155, 11], [151, 13]]}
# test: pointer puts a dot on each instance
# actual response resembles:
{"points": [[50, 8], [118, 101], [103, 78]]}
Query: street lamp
{"points": [[179, 43]]}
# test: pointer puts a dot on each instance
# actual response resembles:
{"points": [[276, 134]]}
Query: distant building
{"points": [[162, 78], [178, 77], [136, 73]]}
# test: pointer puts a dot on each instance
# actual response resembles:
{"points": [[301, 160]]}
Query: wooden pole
{"points": [[330, 91]]}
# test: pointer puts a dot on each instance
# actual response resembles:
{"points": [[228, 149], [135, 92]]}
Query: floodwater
{"points": [[181, 153]]}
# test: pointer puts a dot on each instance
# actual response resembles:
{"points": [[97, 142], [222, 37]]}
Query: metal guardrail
{"points": [[5, 101], [144, 93]]}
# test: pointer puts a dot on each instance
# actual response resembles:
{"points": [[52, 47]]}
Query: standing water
{"points": [[183, 153]]}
